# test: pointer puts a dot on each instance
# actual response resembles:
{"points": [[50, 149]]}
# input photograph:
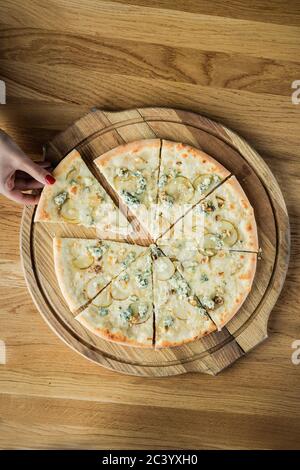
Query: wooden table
{"points": [[227, 60]]}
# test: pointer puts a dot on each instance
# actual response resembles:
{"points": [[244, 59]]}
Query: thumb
{"points": [[36, 171]]}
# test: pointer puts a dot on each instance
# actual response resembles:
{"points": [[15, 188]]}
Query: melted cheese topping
{"points": [[179, 317], [221, 282], [186, 176], [78, 198], [133, 173], [128, 319], [224, 220]]}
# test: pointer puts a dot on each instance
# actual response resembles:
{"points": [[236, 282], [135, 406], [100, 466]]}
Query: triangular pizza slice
{"points": [[78, 198], [132, 171], [84, 267], [179, 316]]}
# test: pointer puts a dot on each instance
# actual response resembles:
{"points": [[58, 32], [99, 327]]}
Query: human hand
{"points": [[19, 173]]}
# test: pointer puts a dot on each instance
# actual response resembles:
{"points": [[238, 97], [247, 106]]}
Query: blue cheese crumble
{"points": [[204, 185], [155, 251], [130, 199], [141, 183], [97, 251], [202, 311], [129, 259], [163, 179], [219, 242], [126, 314], [61, 198], [124, 277], [103, 311], [142, 279], [207, 303], [180, 286], [167, 199], [168, 322]]}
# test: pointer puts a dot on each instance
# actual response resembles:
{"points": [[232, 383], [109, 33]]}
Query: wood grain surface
{"points": [[228, 60]]}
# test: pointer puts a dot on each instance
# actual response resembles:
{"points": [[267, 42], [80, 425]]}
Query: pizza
{"points": [[84, 267], [198, 265], [179, 315], [78, 198], [123, 311], [132, 171]]}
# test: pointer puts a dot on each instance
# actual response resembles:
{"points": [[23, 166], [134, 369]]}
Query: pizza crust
{"points": [[118, 337], [126, 152], [172, 344], [197, 157], [247, 278], [248, 218]]}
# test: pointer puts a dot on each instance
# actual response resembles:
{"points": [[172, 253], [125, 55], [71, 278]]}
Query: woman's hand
{"points": [[18, 173]]}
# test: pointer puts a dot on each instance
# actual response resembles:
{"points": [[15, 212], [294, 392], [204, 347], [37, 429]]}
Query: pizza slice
{"points": [[224, 220], [123, 311], [132, 171], [78, 198], [84, 267], [179, 316], [186, 176], [220, 281]]}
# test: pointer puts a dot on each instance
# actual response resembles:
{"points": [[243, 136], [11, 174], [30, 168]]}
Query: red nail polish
{"points": [[50, 179]]}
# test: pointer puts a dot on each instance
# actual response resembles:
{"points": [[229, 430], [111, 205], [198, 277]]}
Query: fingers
{"points": [[36, 171], [27, 183], [21, 198]]}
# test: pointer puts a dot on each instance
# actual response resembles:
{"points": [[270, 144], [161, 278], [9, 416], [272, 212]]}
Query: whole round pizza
{"points": [[200, 262]]}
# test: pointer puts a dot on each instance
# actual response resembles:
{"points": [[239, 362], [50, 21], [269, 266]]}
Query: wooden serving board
{"points": [[100, 131]]}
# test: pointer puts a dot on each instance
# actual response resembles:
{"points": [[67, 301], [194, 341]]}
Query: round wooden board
{"points": [[100, 131]]}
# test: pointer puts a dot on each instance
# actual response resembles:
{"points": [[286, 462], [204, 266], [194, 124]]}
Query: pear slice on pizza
{"points": [[224, 220], [186, 176], [221, 281], [179, 316], [123, 311]]}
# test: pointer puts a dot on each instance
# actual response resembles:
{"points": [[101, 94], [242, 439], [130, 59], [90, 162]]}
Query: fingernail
{"points": [[50, 179]]}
